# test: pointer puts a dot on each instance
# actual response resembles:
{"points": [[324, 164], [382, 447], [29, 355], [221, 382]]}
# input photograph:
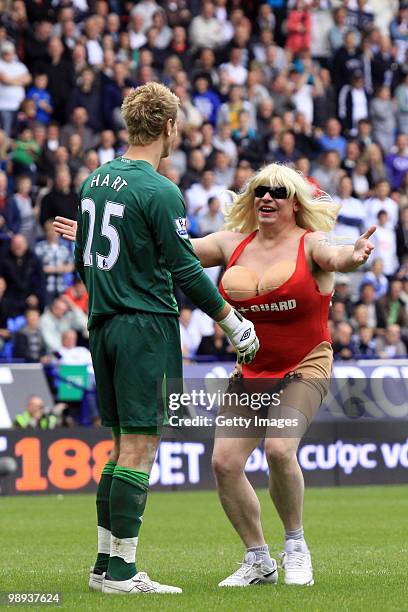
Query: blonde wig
{"points": [[316, 212]]}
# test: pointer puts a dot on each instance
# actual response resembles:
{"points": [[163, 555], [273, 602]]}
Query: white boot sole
{"points": [[95, 582]]}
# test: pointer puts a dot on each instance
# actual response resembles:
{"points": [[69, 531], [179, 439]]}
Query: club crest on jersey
{"points": [[273, 307], [181, 227]]}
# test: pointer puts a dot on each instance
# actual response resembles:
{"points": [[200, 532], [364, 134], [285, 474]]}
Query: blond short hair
{"points": [[317, 211], [146, 110]]}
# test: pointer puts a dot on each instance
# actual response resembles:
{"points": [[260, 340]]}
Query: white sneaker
{"points": [[297, 563], [95, 580], [140, 583], [252, 572]]}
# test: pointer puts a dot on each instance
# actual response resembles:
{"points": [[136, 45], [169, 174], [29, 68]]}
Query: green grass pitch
{"points": [[358, 538]]}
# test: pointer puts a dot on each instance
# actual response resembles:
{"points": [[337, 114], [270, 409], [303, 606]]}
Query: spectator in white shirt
{"points": [[302, 93], [385, 243], [106, 149], [221, 15], [93, 46], [205, 29], [223, 142], [14, 76], [361, 186], [190, 334], [261, 44], [237, 73], [70, 353], [164, 34], [145, 8], [353, 103], [137, 37], [351, 217], [202, 322], [381, 201], [199, 193], [58, 318]]}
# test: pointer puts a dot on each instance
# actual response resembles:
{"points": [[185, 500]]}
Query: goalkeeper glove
{"points": [[241, 334]]}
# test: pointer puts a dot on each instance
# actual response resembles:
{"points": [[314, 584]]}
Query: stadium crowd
{"points": [[321, 85]]}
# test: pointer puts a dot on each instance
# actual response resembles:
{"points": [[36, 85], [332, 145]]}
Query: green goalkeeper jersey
{"points": [[132, 242]]}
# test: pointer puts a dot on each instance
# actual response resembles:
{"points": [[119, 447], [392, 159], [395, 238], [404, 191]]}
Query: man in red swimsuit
{"points": [[280, 274]]}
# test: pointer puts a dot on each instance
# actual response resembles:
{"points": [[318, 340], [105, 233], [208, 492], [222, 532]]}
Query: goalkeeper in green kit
{"points": [[131, 243]]}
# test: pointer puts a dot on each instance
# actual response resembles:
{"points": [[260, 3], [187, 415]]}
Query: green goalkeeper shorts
{"points": [[133, 354]]}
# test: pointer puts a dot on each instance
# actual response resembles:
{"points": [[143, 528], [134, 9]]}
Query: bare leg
{"points": [[138, 451], [236, 494], [286, 484], [286, 487]]}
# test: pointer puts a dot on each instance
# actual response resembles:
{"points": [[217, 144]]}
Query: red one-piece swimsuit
{"points": [[290, 321]]}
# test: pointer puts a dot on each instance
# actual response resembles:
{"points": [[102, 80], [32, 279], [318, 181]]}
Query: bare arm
{"points": [[22, 80], [210, 252], [209, 249], [341, 258]]}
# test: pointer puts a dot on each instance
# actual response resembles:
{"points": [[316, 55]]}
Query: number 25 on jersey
{"points": [[112, 209]]}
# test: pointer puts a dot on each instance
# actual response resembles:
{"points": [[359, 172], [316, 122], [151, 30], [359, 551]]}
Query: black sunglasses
{"points": [[277, 193]]}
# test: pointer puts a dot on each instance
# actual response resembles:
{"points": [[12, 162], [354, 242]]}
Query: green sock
{"points": [[127, 503], [102, 511]]}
